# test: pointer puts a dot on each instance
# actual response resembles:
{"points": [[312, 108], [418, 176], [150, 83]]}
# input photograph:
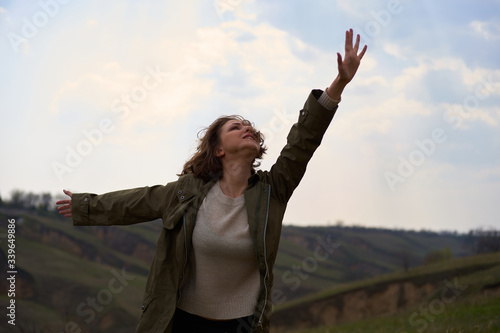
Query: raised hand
{"points": [[348, 66], [65, 208]]}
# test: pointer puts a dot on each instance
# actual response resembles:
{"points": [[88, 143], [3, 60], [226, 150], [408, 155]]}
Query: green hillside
{"points": [[93, 278], [304, 266], [64, 275], [460, 295]]}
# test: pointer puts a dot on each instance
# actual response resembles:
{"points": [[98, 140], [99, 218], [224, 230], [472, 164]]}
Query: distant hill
{"points": [[93, 278], [303, 266]]}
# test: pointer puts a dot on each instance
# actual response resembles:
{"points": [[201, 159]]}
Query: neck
{"points": [[235, 176]]}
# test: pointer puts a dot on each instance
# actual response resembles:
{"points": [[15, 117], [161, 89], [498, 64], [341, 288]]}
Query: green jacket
{"points": [[177, 204]]}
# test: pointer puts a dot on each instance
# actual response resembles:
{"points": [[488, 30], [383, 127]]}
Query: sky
{"points": [[101, 96]]}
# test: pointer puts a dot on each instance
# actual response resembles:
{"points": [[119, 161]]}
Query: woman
{"points": [[213, 266]]}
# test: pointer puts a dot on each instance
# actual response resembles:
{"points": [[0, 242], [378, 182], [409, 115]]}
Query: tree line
{"points": [[19, 199], [477, 240], [483, 240]]}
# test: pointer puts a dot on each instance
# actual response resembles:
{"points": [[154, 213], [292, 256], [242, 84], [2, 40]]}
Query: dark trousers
{"points": [[185, 322]]}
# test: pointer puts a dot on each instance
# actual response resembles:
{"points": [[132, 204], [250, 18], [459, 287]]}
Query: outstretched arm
{"points": [[347, 66], [122, 207]]}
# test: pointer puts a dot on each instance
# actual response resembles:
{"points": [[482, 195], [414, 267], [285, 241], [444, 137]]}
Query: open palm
{"points": [[349, 65]]}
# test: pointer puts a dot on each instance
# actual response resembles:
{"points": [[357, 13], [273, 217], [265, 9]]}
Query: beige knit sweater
{"points": [[223, 280]]}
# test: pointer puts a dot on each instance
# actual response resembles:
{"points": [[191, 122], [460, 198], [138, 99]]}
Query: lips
{"points": [[249, 136]]}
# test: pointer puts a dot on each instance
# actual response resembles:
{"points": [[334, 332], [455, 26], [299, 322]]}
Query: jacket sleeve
{"points": [[121, 207], [302, 140]]}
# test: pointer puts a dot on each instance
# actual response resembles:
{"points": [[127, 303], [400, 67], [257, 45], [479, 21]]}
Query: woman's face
{"points": [[238, 137]]}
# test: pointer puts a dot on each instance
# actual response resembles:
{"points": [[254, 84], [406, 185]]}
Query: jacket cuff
{"points": [[316, 114], [327, 102], [80, 208]]}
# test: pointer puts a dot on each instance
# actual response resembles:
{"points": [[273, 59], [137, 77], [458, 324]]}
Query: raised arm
{"points": [[315, 117]]}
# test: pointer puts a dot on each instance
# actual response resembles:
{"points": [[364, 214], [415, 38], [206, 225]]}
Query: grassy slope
{"points": [[477, 309], [363, 253], [63, 280], [471, 314]]}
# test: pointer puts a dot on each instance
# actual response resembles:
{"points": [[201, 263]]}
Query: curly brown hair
{"points": [[204, 164]]}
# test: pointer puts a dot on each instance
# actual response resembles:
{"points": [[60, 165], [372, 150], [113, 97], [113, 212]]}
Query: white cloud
{"points": [[488, 174], [479, 82], [377, 80], [200, 70], [369, 62], [395, 50], [461, 117], [489, 116], [410, 76], [111, 79], [92, 23], [353, 8], [488, 30]]}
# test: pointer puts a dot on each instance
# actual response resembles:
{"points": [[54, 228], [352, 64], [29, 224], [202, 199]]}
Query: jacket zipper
{"points": [[186, 254], [265, 256]]}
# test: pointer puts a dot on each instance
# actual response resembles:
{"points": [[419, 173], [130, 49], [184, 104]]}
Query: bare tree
{"points": [[483, 241]]}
